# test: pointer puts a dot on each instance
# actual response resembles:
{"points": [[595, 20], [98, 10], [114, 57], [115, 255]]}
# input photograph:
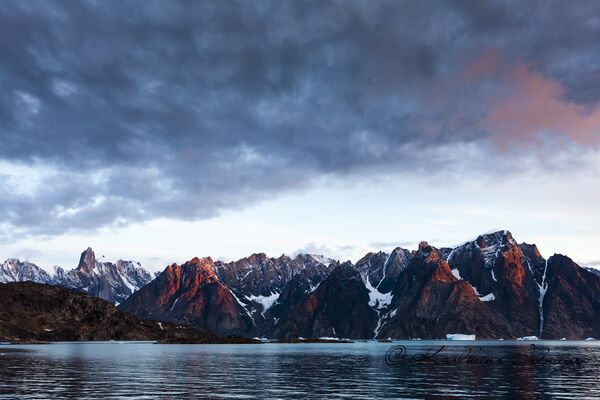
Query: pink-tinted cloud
{"points": [[485, 66], [531, 106]]}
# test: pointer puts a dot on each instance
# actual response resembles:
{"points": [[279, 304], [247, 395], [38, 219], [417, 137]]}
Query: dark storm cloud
{"points": [[137, 110]]}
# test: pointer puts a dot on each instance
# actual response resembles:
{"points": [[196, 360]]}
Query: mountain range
{"points": [[492, 287], [111, 282]]}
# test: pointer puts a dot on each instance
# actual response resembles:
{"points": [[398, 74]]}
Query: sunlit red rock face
{"points": [[429, 301], [192, 294], [491, 287], [494, 264]]}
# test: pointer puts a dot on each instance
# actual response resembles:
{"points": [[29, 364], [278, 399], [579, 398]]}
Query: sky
{"points": [[166, 130]]}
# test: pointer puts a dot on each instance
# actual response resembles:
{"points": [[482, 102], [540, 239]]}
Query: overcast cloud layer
{"points": [[113, 112]]}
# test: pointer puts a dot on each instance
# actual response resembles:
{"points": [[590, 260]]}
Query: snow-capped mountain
{"points": [[510, 280], [112, 282], [241, 297], [338, 307], [13, 270], [191, 294], [491, 287], [258, 281]]}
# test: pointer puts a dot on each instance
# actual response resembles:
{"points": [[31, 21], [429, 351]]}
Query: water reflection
{"points": [[286, 371]]}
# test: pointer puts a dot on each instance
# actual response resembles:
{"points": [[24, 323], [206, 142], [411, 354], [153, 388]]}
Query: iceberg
{"points": [[459, 336]]}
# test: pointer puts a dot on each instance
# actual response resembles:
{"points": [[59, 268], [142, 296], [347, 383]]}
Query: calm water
{"points": [[140, 370]]}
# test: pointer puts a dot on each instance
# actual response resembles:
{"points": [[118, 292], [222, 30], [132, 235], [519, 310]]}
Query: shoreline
{"points": [[239, 340]]}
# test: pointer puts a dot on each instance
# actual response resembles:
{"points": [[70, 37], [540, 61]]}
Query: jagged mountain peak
{"points": [[488, 240], [197, 269], [495, 238], [87, 261], [372, 259], [530, 250], [534, 260], [203, 264], [321, 258], [112, 282], [200, 260], [428, 252], [253, 259], [561, 264], [346, 268], [190, 293], [380, 269], [304, 258], [424, 247], [489, 246]]}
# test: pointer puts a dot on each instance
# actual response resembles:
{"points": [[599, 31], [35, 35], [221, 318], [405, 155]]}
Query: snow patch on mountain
{"points": [[14, 270], [487, 297], [543, 288], [321, 259], [265, 301], [380, 302], [377, 299], [312, 288], [243, 305]]}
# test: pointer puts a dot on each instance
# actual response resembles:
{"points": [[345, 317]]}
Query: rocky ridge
{"points": [[492, 287]]}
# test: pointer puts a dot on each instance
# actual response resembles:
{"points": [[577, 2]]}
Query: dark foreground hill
{"points": [[37, 312]]}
